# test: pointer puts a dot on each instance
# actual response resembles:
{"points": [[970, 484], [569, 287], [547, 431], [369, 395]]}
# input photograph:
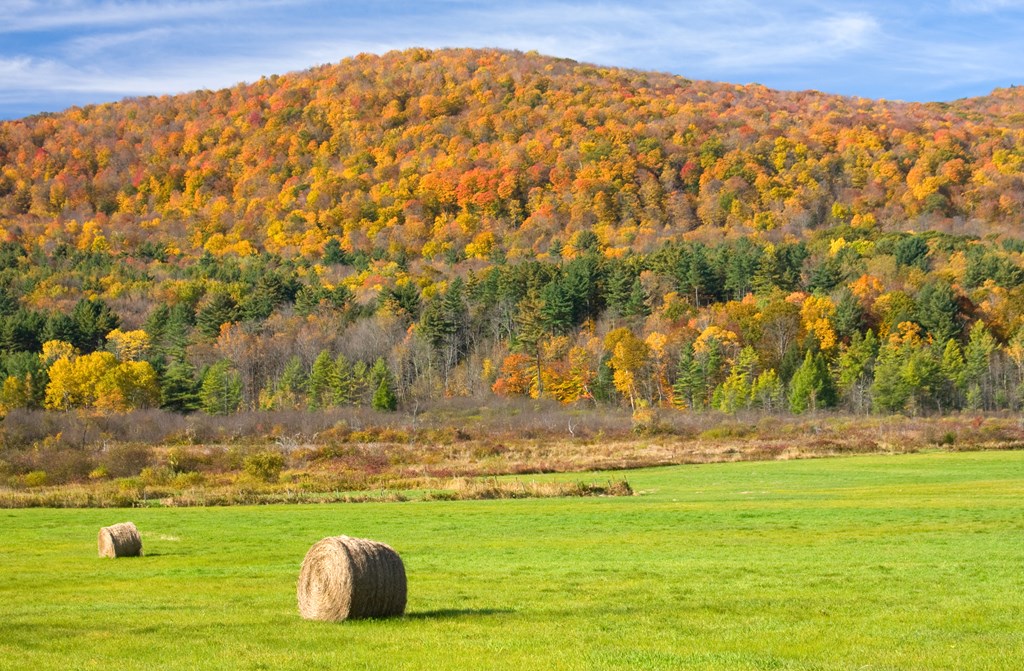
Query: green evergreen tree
{"points": [[922, 372], [848, 319], [343, 390], [334, 254], [735, 393], [221, 390], [768, 392], [856, 370], [938, 311], [977, 360], [93, 321], [603, 387], [361, 383], [742, 262], [688, 386], [619, 287], [952, 368], [530, 333], [219, 309], [912, 250], [811, 387], [384, 397], [322, 383], [556, 308], [710, 366], [890, 391], [582, 282], [179, 391], [637, 305], [445, 325]]}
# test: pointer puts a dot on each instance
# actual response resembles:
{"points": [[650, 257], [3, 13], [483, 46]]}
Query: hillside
{"points": [[394, 230], [460, 153]]}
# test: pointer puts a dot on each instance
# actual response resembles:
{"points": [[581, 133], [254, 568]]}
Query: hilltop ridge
{"points": [[464, 153]]}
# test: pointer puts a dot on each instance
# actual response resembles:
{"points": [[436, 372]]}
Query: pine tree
{"points": [[360, 383], [620, 285], [811, 387], [952, 368], [384, 397], [977, 359], [735, 393], [219, 309], [221, 391], [856, 369], [938, 311], [93, 321], [178, 389], [530, 333], [638, 304], [767, 391], [688, 384], [322, 382], [710, 365], [556, 308], [343, 390]]}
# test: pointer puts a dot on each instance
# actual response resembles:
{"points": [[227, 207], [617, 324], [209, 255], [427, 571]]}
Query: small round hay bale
{"points": [[349, 578], [120, 540]]}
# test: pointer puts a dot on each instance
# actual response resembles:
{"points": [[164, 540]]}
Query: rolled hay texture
{"points": [[350, 578], [120, 540]]}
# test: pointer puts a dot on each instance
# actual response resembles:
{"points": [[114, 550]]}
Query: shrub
{"points": [[185, 460], [188, 480], [266, 465], [159, 475], [121, 461], [35, 478]]}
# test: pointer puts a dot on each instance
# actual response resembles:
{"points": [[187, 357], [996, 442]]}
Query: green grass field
{"points": [[909, 562]]}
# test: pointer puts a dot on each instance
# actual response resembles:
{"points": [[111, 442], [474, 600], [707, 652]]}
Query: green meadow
{"points": [[881, 562]]}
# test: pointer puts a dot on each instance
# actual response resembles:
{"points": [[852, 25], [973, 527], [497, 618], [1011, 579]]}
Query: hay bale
{"points": [[349, 578], [120, 540]]}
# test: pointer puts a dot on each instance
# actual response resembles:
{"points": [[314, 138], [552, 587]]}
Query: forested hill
{"points": [[393, 230], [466, 153]]}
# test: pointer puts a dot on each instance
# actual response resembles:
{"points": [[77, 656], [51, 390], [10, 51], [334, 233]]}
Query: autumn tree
{"points": [[629, 357]]}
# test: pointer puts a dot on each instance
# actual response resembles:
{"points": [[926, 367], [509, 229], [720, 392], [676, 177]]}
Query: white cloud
{"points": [[90, 45], [985, 6], [116, 48], [28, 15]]}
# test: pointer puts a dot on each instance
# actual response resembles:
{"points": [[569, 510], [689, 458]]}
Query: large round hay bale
{"points": [[120, 540], [349, 578]]}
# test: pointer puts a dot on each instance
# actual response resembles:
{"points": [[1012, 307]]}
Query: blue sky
{"points": [[58, 53]]}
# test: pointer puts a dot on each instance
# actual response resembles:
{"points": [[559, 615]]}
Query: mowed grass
{"points": [[901, 562]]}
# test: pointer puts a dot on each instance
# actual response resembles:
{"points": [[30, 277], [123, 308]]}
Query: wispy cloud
{"points": [[30, 15], [115, 48], [90, 45], [985, 6]]}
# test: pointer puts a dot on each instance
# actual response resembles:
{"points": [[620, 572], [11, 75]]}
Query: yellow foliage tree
{"points": [[724, 337], [573, 384], [629, 356], [127, 386], [56, 349], [129, 345], [816, 315], [74, 381], [656, 342], [16, 393]]}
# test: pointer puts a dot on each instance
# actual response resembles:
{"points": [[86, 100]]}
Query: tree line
{"points": [[850, 317]]}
